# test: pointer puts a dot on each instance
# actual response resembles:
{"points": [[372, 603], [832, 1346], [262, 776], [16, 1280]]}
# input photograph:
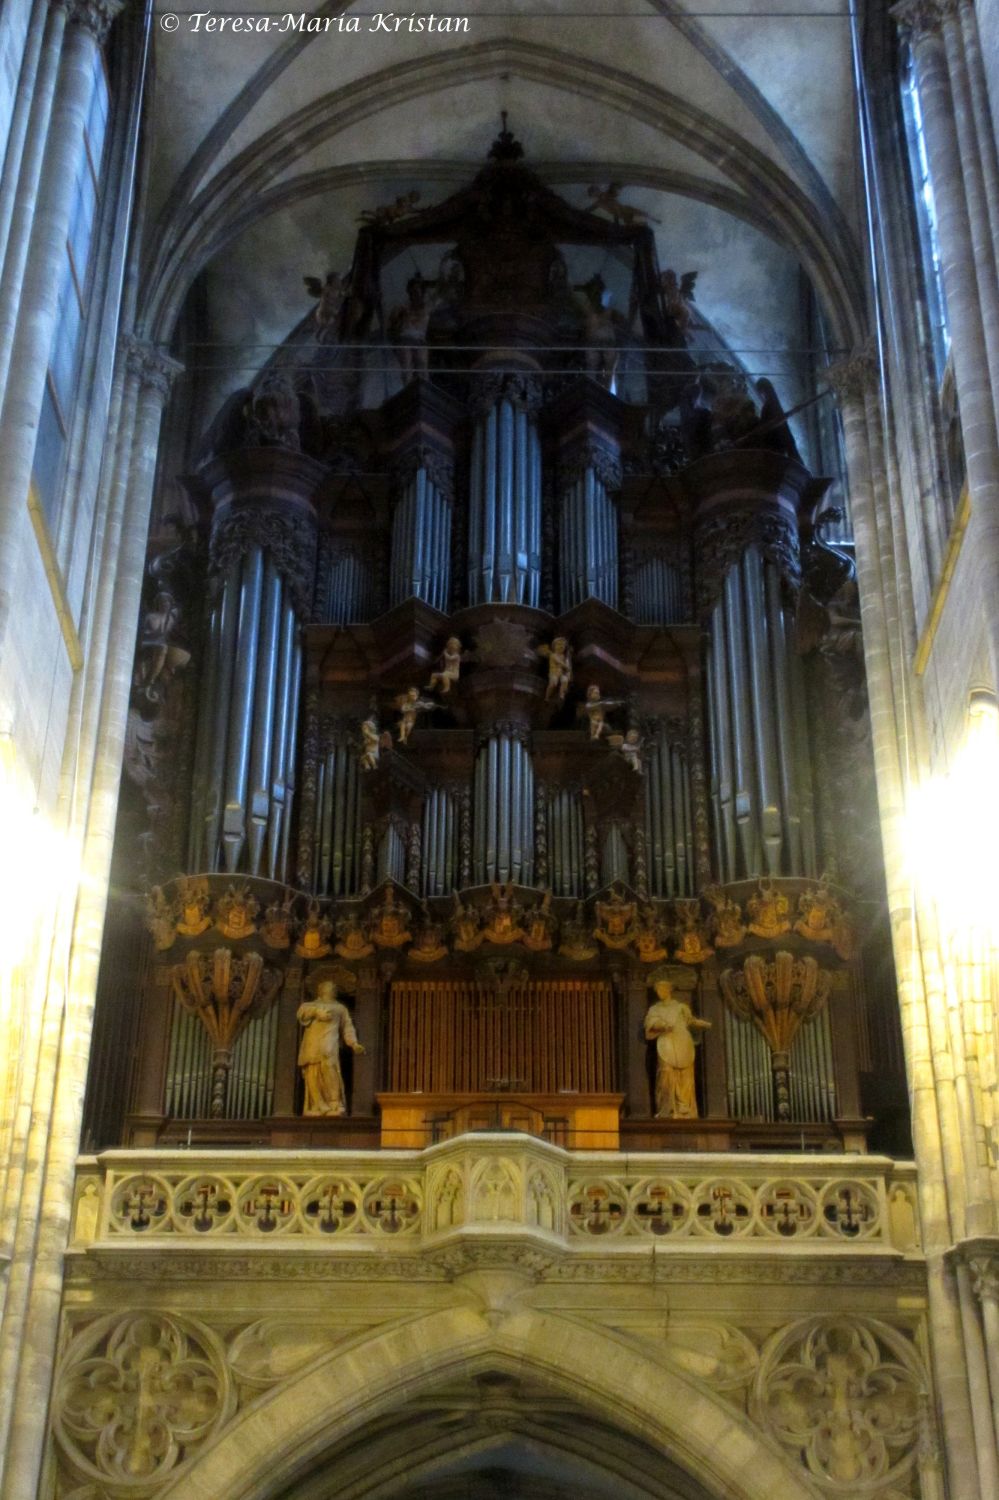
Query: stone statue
{"points": [[595, 708], [600, 329], [159, 656], [409, 323], [449, 669], [331, 294], [670, 1024], [410, 705], [327, 1027], [559, 655]]}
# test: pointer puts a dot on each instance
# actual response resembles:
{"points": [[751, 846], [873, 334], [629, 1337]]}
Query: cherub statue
{"points": [[158, 657], [630, 746], [609, 199], [410, 706], [600, 328], [449, 669], [671, 1024], [331, 294], [409, 323], [678, 294], [465, 926], [559, 655], [326, 1027], [373, 742], [595, 708]]}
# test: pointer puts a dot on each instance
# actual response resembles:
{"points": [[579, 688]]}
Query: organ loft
{"points": [[498, 750]]}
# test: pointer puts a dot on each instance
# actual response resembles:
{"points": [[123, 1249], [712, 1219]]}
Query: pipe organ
{"points": [[524, 690]]}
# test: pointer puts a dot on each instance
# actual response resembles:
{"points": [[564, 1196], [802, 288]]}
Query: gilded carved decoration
{"points": [[220, 989]]}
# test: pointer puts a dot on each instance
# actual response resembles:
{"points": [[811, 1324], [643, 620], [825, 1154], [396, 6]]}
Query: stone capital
{"points": [[94, 16], [920, 18], [981, 1256], [155, 369], [854, 375]]}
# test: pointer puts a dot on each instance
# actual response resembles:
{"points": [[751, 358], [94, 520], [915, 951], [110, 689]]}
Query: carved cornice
{"points": [[604, 463], [490, 387], [289, 540], [438, 468], [725, 535]]}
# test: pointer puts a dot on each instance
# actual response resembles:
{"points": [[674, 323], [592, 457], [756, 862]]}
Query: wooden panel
{"points": [[541, 1036]]}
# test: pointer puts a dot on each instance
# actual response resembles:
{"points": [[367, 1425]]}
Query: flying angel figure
{"points": [[595, 708], [608, 199], [410, 706]]}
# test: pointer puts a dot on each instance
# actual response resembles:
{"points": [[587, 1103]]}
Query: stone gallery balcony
{"points": [[502, 1186]]}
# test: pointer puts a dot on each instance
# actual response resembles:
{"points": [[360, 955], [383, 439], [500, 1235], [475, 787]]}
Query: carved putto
{"points": [[768, 911], [628, 745], [595, 708], [160, 919], [410, 706], [609, 199], [559, 655], [373, 742], [331, 294], [449, 669], [159, 654]]}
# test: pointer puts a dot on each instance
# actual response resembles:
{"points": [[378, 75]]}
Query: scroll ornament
{"points": [[220, 990], [777, 997]]}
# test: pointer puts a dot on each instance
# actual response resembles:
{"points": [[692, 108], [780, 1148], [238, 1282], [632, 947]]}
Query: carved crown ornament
{"points": [[690, 930]]}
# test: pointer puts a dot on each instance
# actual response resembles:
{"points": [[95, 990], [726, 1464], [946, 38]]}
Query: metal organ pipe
{"points": [[588, 557], [421, 543], [761, 794], [565, 843], [504, 532], [503, 812], [668, 818]]}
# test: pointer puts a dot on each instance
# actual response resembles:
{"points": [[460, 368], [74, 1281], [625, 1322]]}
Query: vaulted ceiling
{"points": [[731, 122]]}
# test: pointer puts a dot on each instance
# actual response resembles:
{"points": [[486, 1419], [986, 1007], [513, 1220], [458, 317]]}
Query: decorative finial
{"points": [[505, 147]]}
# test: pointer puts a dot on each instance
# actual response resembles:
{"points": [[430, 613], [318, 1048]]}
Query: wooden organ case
{"points": [[511, 696]]}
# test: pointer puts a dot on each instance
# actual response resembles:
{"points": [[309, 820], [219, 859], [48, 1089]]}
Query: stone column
{"points": [[936, 1131], [965, 311], [88, 24], [23, 163], [31, 1320]]}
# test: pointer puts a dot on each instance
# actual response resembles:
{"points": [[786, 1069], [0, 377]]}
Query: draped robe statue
{"points": [[670, 1024], [327, 1027]]}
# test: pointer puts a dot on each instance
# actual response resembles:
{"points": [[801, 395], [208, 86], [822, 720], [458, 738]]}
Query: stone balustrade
{"points": [[502, 1184]]}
